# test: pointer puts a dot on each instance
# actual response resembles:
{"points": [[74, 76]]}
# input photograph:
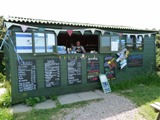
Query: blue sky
{"points": [[135, 13]]}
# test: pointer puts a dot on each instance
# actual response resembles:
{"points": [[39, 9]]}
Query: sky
{"points": [[134, 13]]}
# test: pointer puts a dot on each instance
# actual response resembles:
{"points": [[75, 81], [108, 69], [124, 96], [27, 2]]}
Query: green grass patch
{"points": [[5, 114], [143, 91]]}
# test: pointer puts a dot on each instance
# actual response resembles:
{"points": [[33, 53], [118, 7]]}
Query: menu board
{"points": [[93, 69], [27, 75], [52, 72], [135, 60], [109, 67], [74, 71]]}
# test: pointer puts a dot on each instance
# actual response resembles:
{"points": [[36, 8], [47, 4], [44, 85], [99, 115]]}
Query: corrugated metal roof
{"points": [[30, 20]]}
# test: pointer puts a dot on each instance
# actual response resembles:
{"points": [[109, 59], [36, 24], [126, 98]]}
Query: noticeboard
{"points": [[74, 71], [52, 72], [109, 67], [135, 60], [27, 75], [93, 69]]}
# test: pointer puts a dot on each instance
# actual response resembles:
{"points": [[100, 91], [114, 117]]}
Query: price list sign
{"points": [[74, 71], [93, 69], [27, 75], [135, 60], [52, 72]]}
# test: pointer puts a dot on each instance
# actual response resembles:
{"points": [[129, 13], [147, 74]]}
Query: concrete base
{"points": [[45, 105], [68, 99], [77, 97], [63, 99], [20, 108]]}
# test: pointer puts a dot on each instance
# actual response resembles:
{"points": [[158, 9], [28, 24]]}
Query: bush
{"points": [[5, 99], [5, 114]]}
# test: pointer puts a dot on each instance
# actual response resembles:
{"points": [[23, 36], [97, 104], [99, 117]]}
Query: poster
{"points": [[109, 67], [27, 78], [50, 38], [122, 56], [23, 42], [39, 40], [74, 71], [114, 43], [105, 84], [135, 60], [114, 46], [93, 69], [52, 74]]}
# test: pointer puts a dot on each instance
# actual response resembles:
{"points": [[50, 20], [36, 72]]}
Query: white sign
{"points": [[114, 46], [105, 84], [23, 42]]}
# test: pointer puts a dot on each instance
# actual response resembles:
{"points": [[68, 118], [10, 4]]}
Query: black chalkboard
{"points": [[93, 69], [52, 72], [27, 75], [135, 60], [74, 71]]}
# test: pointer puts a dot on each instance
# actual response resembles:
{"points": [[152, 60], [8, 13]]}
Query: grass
{"points": [[145, 90]]}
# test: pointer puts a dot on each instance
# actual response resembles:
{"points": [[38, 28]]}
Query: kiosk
{"points": [[39, 61]]}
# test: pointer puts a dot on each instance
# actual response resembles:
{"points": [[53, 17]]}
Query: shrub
{"points": [[5, 99], [2, 78], [5, 114]]}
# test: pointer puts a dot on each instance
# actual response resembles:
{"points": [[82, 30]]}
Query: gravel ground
{"points": [[112, 107]]}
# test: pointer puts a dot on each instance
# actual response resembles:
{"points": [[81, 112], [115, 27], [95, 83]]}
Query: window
{"points": [[39, 43], [139, 43], [44, 42], [89, 42], [129, 43], [109, 43], [133, 43], [23, 42], [50, 42]]}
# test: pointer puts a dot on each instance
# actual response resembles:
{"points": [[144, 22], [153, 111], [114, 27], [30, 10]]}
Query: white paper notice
{"points": [[114, 46]]}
